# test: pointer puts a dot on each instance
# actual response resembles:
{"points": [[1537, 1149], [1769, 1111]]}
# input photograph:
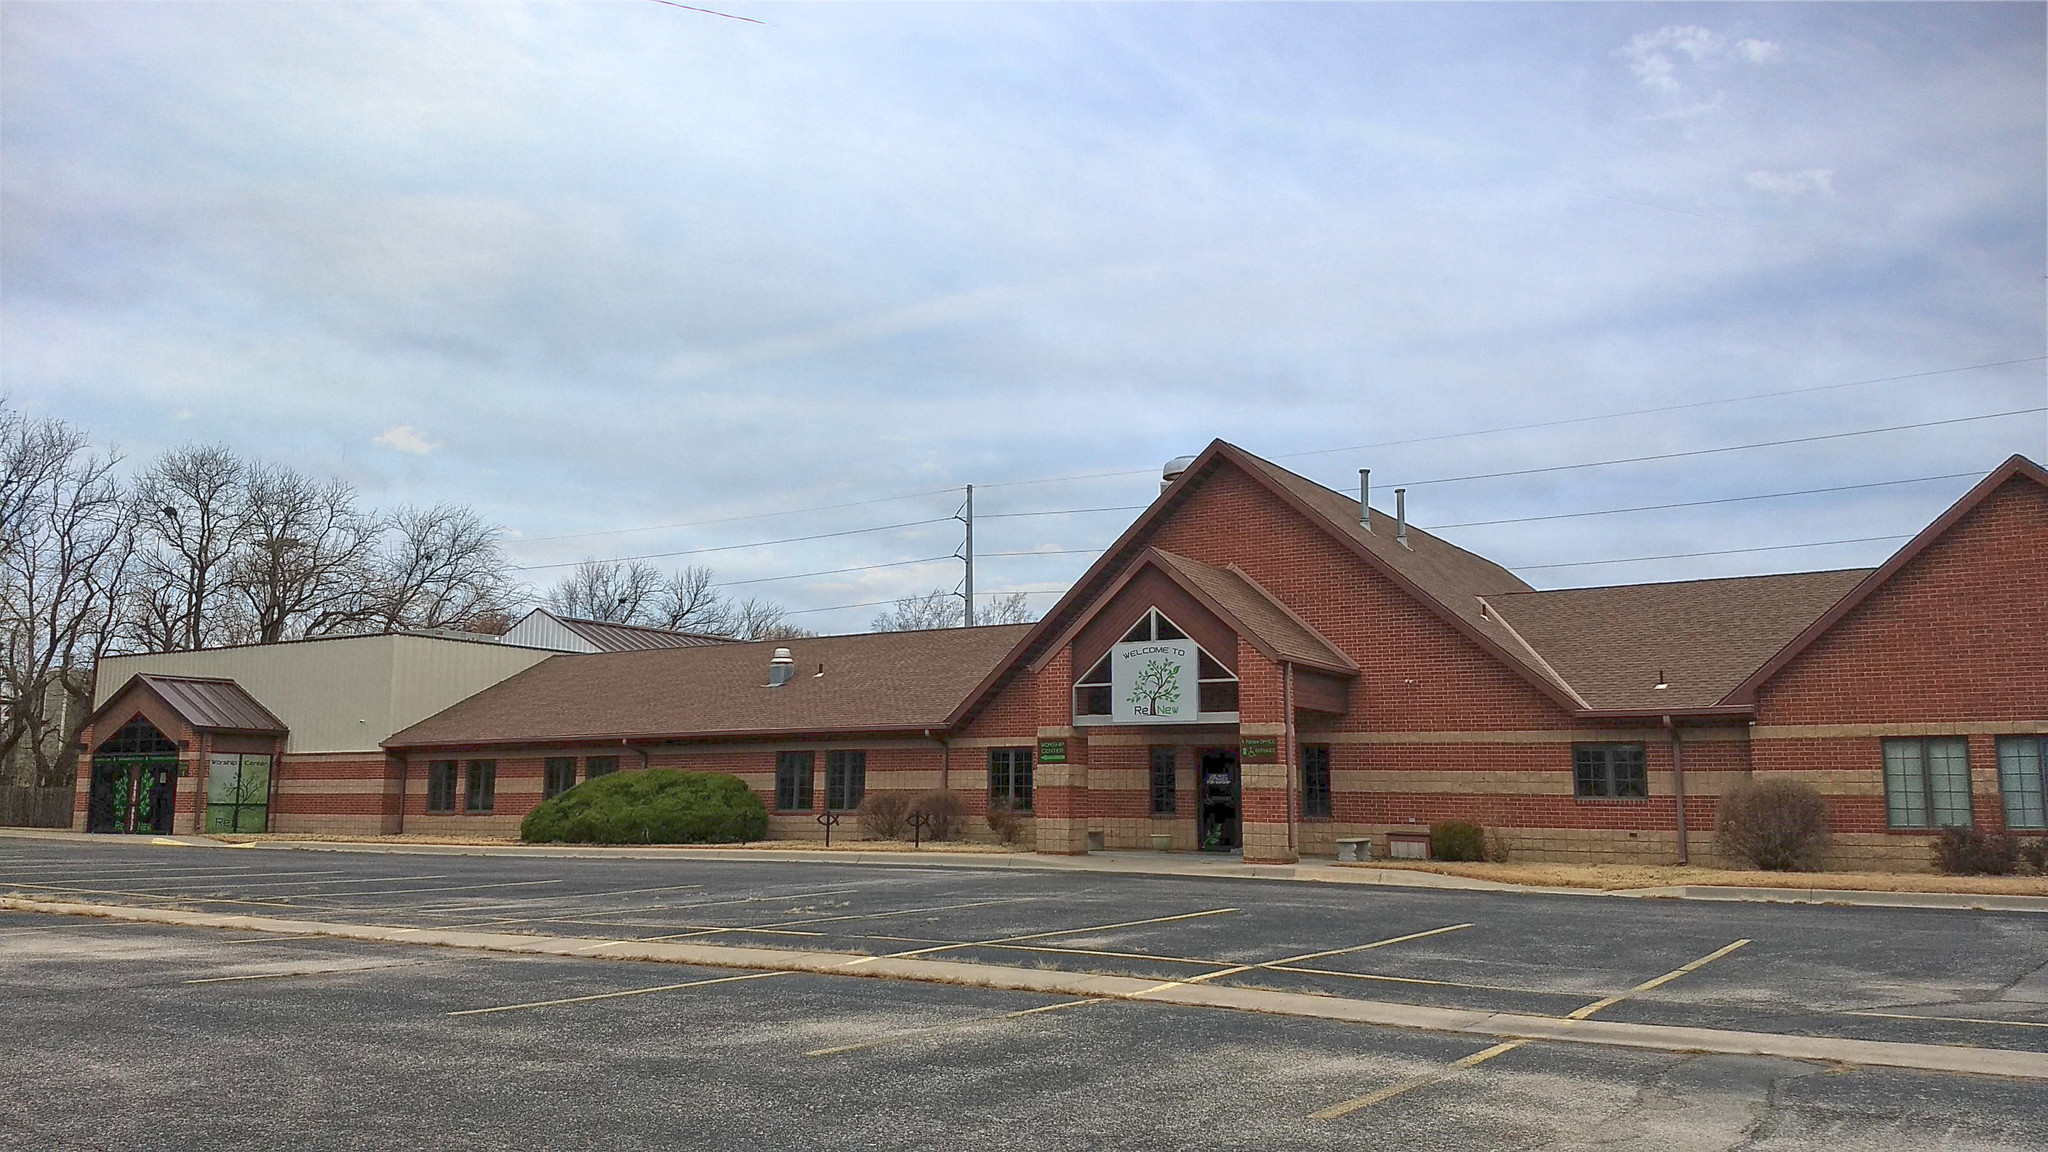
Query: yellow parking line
{"points": [[1952, 1019], [1038, 936], [914, 1033], [1296, 959], [616, 995], [1460, 1066]]}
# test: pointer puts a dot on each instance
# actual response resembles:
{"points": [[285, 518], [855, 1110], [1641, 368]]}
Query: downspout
{"points": [[404, 787], [1678, 786], [1289, 756], [627, 743]]}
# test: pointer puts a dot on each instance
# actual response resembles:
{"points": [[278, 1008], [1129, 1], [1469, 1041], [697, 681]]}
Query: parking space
{"points": [[1888, 974], [348, 1044]]}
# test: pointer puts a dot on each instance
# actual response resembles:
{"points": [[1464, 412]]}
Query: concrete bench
{"points": [[1354, 848]]}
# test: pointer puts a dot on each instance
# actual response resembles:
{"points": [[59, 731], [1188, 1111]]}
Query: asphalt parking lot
{"points": [[370, 1045]]}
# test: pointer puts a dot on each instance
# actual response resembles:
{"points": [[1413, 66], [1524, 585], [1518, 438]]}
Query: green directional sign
{"points": [[1260, 749], [1052, 751]]}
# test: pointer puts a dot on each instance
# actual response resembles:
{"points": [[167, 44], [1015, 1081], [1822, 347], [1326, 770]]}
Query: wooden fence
{"points": [[22, 807]]}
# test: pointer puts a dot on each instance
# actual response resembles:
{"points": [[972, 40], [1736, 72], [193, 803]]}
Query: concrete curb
{"points": [[1500, 1025], [1121, 863]]}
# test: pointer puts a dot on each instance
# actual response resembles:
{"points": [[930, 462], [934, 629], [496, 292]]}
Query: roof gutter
{"points": [[1703, 712], [632, 740]]}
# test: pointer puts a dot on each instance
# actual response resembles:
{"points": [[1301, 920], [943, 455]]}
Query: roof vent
{"points": [[781, 668], [1173, 469], [1401, 517], [1661, 683]]}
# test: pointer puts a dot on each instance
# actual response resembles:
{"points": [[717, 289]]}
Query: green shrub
{"points": [[656, 806], [1775, 825], [1974, 852], [945, 812], [882, 813], [1457, 840]]}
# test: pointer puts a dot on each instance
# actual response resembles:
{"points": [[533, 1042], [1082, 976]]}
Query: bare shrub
{"points": [[1005, 820], [1775, 825], [2035, 853], [944, 810], [1497, 847], [1457, 840], [882, 815], [1975, 852]]}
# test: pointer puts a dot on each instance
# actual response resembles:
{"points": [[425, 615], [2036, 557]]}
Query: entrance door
{"points": [[132, 796], [1218, 789]]}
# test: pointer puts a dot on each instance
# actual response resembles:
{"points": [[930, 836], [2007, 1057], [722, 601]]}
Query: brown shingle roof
{"points": [[610, 637], [885, 681], [1252, 609], [1705, 636]]}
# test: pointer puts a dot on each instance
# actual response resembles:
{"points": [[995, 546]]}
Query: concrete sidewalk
{"points": [[1192, 992], [1172, 864]]}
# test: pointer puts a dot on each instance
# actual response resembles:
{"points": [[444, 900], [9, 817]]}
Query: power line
{"points": [[1063, 511], [1691, 503], [1049, 552], [830, 572], [1712, 451], [879, 603], [733, 547], [733, 519], [1690, 555]]}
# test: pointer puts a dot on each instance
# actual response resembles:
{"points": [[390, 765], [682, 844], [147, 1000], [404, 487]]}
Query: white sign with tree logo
{"points": [[1153, 682]]}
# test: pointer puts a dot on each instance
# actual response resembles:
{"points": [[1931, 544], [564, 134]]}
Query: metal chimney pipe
{"points": [[1365, 498], [1401, 517]]}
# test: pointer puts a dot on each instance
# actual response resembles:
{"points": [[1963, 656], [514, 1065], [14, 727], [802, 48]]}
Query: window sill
{"points": [[1615, 799]]}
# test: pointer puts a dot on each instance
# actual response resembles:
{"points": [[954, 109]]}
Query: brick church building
{"points": [[1255, 665]]}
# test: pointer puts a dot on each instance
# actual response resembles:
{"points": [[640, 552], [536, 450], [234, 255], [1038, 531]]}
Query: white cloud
{"points": [[1650, 54], [1758, 51], [406, 438], [1820, 180]]}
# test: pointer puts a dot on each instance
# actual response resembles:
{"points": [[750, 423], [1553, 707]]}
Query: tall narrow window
{"points": [[480, 787], [595, 766], [793, 790], [1927, 783], [1315, 780], [1164, 800], [1009, 777], [1609, 771], [441, 786], [846, 779], [2020, 763], [561, 776]]}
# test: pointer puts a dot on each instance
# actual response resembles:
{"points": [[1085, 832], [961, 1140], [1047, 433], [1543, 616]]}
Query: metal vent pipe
{"points": [[1401, 517]]}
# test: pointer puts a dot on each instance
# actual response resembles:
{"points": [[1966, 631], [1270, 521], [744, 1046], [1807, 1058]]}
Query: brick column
{"points": [[1059, 793], [1263, 795]]}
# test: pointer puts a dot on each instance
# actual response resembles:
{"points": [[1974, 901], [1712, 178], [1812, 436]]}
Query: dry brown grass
{"points": [[838, 845], [1613, 877]]}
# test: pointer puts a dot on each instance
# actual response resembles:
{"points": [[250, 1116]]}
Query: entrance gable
{"points": [[1955, 625]]}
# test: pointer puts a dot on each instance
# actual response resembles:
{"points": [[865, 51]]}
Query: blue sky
{"points": [[611, 265]]}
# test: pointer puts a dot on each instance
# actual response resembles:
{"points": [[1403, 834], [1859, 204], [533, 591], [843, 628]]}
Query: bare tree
{"points": [[616, 591], [937, 608], [439, 567], [304, 565], [65, 547], [752, 619], [687, 602], [189, 513], [1010, 609]]}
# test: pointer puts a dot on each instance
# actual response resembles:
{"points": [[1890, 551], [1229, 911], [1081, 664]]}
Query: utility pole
{"points": [[967, 554]]}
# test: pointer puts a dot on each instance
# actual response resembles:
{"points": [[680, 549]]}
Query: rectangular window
{"points": [[1315, 780], [595, 766], [480, 787], [1009, 777], [561, 776], [1610, 771], [1164, 801], [441, 786], [846, 779], [793, 791], [1927, 783], [2020, 763]]}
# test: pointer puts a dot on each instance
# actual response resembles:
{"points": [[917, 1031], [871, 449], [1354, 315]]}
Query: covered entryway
{"points": [[1217, 784], [134, 781]]}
